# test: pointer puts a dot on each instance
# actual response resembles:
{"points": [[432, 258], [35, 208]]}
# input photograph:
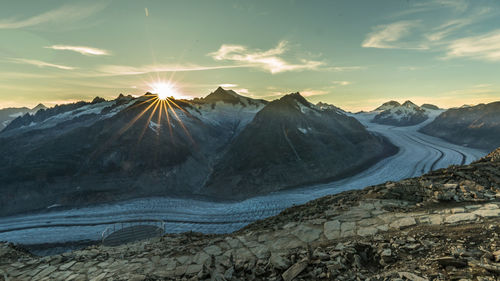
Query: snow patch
{"points": [[15, 115], [155, 127], [226, 114], [304, 130]]}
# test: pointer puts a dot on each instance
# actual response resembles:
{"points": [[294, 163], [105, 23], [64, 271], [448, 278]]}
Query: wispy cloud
{"points": [[64, 14], [446, 29], [242, 91], [387, 36], [342, 83], [88, 51], [40, 63], [455, 6], [345, 68], [485, 85], [444, 37], [117, 70], [270, 60], [409, 68], [482, 47], [311, 92], [228, 85]]}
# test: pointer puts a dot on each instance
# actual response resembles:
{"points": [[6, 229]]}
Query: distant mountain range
{"points": [[11, 113], [476, 126], [222, 146], [407, 114]]}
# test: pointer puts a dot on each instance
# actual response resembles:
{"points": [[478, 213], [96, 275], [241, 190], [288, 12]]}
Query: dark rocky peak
{"points": [[97, 100], [227, 96], [295, 98], [409, 104], [429, 106], [38, 107], [122, 97], [389, 104]]}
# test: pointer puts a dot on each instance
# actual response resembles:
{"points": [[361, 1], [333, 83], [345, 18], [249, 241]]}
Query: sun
{"points": [[163, 90]]}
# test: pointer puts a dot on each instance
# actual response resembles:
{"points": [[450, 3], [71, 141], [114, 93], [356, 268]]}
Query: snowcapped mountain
{"points": [[406, 114], [227, 109], [129, 147], [67, 116], [292, 142], [388, 105], [476, 126], [9, 114]]}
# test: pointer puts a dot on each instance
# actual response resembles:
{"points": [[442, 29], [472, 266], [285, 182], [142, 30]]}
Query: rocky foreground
{"points": [[441, 226]]}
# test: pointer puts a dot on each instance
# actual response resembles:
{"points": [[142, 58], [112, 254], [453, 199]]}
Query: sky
{"points": [[353, 54]]}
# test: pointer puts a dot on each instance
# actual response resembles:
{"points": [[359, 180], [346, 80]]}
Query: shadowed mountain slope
{"points": [[290, 143], [476, 126]]}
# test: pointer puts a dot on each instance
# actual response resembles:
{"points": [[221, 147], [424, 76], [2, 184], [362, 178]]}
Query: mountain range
{"points": [[11, 113], [407, 114], [222, 146], [476, 126]]}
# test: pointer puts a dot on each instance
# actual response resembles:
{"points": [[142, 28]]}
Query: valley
{"points": [[418, 154]]}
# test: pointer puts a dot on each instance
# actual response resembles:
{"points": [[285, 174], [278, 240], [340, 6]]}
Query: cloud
{"points": [[482, 47], [483, 85], [117, 70], [310, 93], [456, 6], [81, 49], [40, 63], [269, 60], [228, 85], [451, 26], [342, 83], [345, 68], [387, 36], [242, 91], [62, 15]]}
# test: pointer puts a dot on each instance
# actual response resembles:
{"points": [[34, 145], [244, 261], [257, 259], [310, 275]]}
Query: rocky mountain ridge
{"points": [[440, 226], [9, 114], [475, 126], [406, 114]]}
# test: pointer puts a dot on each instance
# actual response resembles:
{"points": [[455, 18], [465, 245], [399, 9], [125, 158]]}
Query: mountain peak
{"points": [[97, 100], [220, 94], [409, 104], [388, 105], [296, 97], [429, 106], [38, 107]]}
